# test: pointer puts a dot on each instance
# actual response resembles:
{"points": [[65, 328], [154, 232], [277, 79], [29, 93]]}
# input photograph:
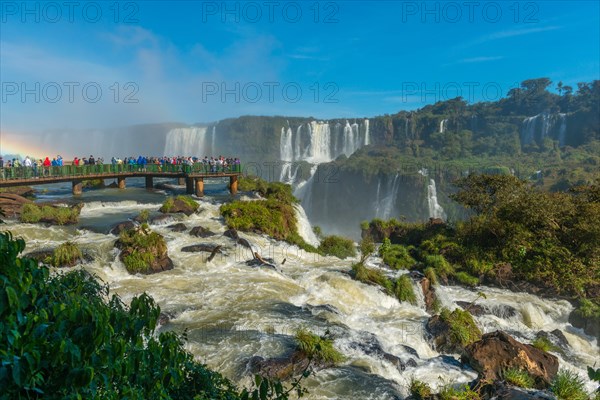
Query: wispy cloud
{"points": [[478, 59], [508, 34]]}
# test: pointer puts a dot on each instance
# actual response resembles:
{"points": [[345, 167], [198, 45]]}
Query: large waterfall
{"points": [[190, 142], [537, 128]]}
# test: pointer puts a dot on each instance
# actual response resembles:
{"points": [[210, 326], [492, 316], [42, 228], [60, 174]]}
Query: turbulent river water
{"points": [[233, 311]]}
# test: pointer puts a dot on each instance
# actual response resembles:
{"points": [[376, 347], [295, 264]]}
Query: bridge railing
{"points": [[74, 171]]}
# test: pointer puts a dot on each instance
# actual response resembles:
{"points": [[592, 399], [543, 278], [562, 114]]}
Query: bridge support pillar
{"points": [[77, 188], [149, 183], [200, 187], [121, 182], [181, 181], [233, 184], [189, 185]]}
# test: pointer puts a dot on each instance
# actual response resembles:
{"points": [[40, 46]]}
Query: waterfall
{"points": [[319, 149], [406, 128], [297, 141], [187, 142], [286, 155], [528, 131], [351, 138], [304, 229], [443, 125], [546, 125], [385, 206], [213, 147], [367, 138], [435, 209], [562, 132]]}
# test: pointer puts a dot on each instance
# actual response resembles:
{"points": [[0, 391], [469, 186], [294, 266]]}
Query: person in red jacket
{"points": [[47, 166]]}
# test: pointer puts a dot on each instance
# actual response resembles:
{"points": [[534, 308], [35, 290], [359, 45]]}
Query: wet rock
{"points": [[475, 309], [281, 368], [498, 351], [180, 205], [244, 243], [164, 318], [205, 247], [500, 390], [148, 255], [11, 204], [503, 311], [589, 324], [556, 337], [122, 226], [262, 262], [502, 274], [428, 294], [179, 227], [200, 231], [161, 219], [370, 345], [231, 233]]}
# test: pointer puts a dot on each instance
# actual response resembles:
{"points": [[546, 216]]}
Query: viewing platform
{"points": [[191, 175]]}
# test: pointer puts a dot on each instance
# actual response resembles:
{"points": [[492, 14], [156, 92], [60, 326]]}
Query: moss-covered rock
{"points": [[93, 184], [179, 204], [337, 246], [67, 254], [57, 215], [452, 331], [143, 251]]}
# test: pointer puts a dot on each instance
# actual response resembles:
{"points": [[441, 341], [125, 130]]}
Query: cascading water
{"points": [[188, 141], [232, 311], [286, 155], [435, 209], [562, 132], [544, 125], [367, 133], [443, 125], [385, 206]]}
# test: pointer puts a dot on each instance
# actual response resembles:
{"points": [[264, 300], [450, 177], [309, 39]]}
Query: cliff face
{"points": [[338, 201]]}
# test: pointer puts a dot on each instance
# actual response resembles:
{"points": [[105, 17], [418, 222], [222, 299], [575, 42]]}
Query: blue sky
{"points": [[191, 61]]}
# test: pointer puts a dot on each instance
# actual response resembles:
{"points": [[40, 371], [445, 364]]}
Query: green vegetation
{"points": [[140, 249], [588, 309], [143, 216], [65, 338], [396, 255], [93, 183], [169, 205], [65, 255], [274, 216], [518, 377], [337, 246], [568, 385], [542, 343], [32, 213], [403, 289], [536, 234], [372, 276], [462, 328], [318, 348], [419, 389], [448, 392], [431, 275]]}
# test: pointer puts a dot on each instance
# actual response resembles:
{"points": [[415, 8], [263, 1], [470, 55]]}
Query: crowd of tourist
{"points": [[38, 167]]}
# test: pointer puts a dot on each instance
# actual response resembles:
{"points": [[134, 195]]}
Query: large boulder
{"points": [[179, 204], [122, 226], [143, 251], [589, 322], [179, 227], [498, 351], [11, 204], [231, 233], [280, 368], [450, 332]]}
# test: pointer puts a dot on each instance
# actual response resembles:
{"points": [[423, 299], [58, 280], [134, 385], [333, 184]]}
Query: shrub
{"points": [[462, 327], [140, 249], [518, 377], [144, 216], [318, 348], [448, 392], [31, 213], [431, 275], [544, 344], [167, 205], [419, 389], [466, 279], [372, 276], [337, 246], [398, 257], [67, 254], [568, 385], [442, 267], [403, 289]]}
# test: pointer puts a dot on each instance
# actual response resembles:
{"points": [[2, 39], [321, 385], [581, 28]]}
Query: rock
{"points": [[428, 294], [180, 227], [122, 226], [589, 324], [200, 231], [395, 361], [161, 219], [557, 338], [450, 332], [180, 206], [498, 351], [231, 233], [164, 318], [244, 243], [113, 185], [371, 346], [503, 311], [148, 255], [500, 390], [11, 204], [475, 309], [502, 274], [281, 368], [205, 247]]}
